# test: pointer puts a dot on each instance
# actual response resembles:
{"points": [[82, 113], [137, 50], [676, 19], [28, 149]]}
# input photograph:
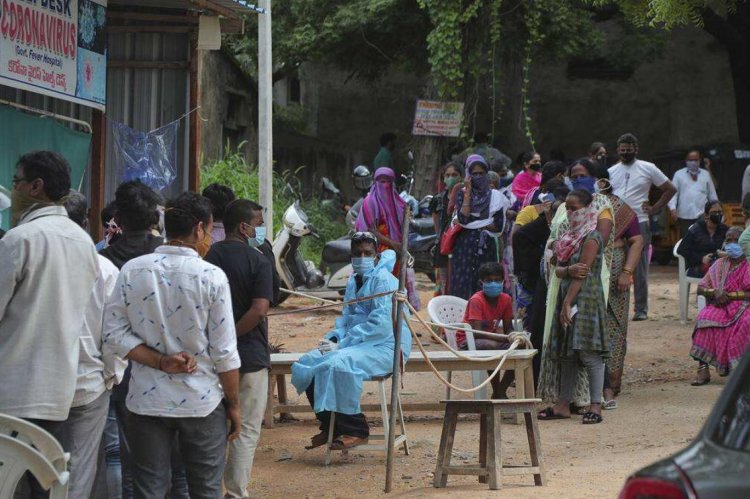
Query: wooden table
{"points": [[518, 361]]}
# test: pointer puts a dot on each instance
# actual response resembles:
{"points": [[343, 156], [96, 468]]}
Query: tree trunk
{"points": [[428, 152]]}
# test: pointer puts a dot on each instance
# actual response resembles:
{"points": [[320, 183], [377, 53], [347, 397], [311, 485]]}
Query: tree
{"points": [[728, 21], [364, 37], [468, 50]]}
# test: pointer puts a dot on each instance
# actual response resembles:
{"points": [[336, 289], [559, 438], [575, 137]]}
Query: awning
{"points": [[227, 8]]}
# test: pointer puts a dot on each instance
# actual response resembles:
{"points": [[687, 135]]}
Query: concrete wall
{"points": [[682, 98], [228, 108]]}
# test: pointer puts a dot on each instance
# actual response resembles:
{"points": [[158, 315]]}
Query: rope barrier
{"points": [[516, 338], [329, 305]]}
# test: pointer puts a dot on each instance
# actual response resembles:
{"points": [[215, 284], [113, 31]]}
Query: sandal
{"points": [[592, 418], [574, 409], [347, 442], [703, 377], [550, 414], [318, 440], [609, 405]]}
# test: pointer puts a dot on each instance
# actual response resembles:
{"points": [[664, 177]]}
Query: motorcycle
{"points": [[329, 282], [302, 276]]}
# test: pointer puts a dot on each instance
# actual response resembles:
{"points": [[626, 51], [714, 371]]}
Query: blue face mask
{"points": [[492, 289], [363, 264], [584, 183], [734, 250], [259, 239]]}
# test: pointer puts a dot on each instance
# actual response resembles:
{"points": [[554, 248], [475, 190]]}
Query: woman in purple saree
{"points": [[722, 328]]}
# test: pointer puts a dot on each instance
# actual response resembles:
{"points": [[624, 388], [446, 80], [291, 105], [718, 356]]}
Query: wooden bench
{"points": [[518, 361]]}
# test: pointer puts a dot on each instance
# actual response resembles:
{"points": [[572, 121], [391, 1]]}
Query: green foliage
{"points": [[235, 172], [364, 37], [668, 13]]}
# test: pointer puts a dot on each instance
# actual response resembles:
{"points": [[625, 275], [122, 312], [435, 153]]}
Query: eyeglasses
{"points": [[359, 237], [17, 180]]}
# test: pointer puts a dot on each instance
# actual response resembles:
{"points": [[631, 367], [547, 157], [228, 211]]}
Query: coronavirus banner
{"points": [[56, 48]]}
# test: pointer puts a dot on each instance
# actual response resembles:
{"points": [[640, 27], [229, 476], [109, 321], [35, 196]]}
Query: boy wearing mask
{"points": [[490, 310]]}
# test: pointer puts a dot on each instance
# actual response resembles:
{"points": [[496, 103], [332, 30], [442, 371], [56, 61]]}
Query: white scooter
{"points": [[302, 276]]}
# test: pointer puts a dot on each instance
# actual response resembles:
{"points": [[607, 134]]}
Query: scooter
{"points": [[302, 276], [423, 240]]}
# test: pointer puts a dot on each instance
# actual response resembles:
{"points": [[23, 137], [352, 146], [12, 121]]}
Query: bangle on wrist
{"points": [[161, 357], [627, 270]]}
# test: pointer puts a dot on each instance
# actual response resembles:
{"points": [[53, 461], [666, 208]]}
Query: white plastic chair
{"points": [[382, 445], [684, 285], [449, 311], [26, 447]]}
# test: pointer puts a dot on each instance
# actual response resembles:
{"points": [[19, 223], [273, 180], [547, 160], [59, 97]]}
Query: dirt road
{"points": [[658, 414]]}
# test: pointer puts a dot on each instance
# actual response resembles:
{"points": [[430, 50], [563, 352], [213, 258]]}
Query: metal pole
{"points": [[396, 379], [265, 115]]}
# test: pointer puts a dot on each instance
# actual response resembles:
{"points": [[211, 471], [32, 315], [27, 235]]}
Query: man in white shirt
{"points": [[172, 317], [97, 373], [47, 273], [745, 183], [631, 180], [694, 189]]}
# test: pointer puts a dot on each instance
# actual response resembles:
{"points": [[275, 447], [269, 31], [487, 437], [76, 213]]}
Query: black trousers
{"points": [[536, 324], [354, 425]]}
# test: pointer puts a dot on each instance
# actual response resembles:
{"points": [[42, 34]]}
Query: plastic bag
{"points": [[147, 156]]}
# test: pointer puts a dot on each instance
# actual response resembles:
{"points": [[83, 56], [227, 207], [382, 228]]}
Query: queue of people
{"points": [[158, 342], [580, 235]]}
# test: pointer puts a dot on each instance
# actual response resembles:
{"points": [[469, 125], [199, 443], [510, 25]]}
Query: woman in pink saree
{"points": [[722, 328]]}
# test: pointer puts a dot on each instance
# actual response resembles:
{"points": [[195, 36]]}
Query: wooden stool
{"points": [[400, 439], [490, 467]]}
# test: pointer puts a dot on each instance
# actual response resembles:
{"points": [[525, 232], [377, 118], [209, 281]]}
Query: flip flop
{"points": [[347, 442], [592, 418], [318, 440], [549, 414], [609, 405]]}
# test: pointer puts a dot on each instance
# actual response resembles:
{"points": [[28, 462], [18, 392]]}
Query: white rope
{"points": [[439, 375], [309, 297], [516, 337], [462, 327]]}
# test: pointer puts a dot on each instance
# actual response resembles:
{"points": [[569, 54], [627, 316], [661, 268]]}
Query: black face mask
{"points": [[716, 218], [602, 160], [627, 157], [535, 166]]}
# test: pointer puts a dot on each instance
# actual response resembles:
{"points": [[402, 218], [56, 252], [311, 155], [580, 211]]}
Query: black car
{"points": [[717, 462]]}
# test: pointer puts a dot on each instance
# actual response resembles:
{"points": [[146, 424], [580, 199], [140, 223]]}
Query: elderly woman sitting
{"points": [[722, 328]]}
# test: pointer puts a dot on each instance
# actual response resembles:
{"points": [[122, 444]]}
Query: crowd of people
{"points": [[571, 239], [147, 355]]}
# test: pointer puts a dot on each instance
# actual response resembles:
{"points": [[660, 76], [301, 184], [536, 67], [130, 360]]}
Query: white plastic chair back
{"points": [[449, 311], [684, 284], [27, 447]]}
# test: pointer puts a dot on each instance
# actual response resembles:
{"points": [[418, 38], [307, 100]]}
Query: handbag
{"points": [[449, 239]]}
